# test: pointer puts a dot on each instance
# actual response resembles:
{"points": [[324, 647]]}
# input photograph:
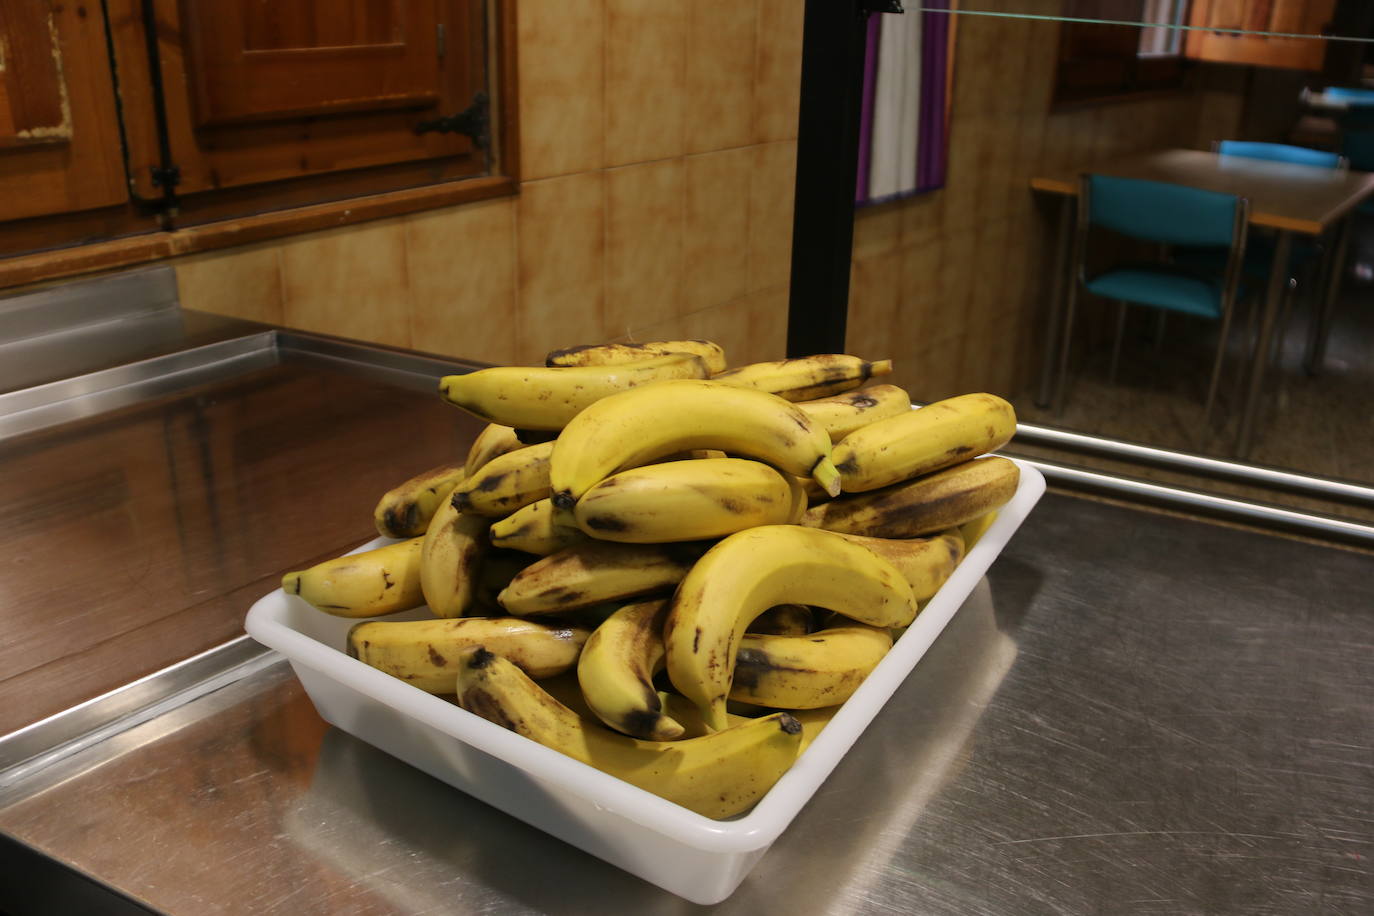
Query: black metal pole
{"points": [[833, 40]]}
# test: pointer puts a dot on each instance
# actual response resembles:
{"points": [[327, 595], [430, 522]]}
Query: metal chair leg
{"points": [[1222, 334], [1061, 381], [1116, 344]]}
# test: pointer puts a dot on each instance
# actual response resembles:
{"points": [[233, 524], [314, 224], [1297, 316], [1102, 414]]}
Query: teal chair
{"points": [[1166, 215], [1280, 152], [1353, 97]]}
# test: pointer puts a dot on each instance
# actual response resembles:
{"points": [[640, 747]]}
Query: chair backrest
{"points": [[1280, 152], [1350, 96], [1170, 214]]}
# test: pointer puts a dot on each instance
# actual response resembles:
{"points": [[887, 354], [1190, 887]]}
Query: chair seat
{"points": [[1179, 291]]}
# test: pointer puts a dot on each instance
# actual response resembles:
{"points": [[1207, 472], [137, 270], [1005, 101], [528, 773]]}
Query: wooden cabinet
{"points": [[135, 116], [59, 136], [1290, 17]]}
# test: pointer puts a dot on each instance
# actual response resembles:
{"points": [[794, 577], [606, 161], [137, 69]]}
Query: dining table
{"points": [[1285, 199]]}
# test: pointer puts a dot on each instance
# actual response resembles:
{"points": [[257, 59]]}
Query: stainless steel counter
{"points": [[1135, 713]]}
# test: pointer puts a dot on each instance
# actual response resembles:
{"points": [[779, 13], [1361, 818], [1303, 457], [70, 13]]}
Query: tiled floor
{"points": [[1321, 425]]}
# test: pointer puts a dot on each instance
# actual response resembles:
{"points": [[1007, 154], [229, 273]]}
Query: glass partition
{"points": [[1007, 278]]}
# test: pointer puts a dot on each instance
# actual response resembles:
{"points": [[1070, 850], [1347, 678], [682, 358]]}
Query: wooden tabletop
{"points": [[1298, 198]]}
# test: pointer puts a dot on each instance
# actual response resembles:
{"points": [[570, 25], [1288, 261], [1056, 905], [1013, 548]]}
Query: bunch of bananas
{"points": [[669, 569]]}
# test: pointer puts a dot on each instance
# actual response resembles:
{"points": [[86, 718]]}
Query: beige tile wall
{"points": [[658, 157], [658, 146]]}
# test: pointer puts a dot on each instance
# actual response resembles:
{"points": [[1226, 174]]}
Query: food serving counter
{"points": [[1136, 712]]}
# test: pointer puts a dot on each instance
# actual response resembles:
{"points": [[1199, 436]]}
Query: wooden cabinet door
{"points": [[259, 92], [1293, 17], [59, 138]]}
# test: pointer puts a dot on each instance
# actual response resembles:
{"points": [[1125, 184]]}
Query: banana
{"points": [[918, 442], [691, 500], [806, 672], [424, 653], [806, 378], [536, 529], [451, 560], [367, 584], [619, 353], [597, 572], [812, 722], [405, 510], [538, 397], [683, 711], [842, 414], [634, 427], [616, 671], [973, 531], [926, 563], [507, 482], [492, 441], [749, 572], [926, 505], [784, 620], [717, 775]]}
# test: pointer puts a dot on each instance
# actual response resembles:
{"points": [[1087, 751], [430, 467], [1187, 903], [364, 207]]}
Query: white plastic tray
{"points": [[695, 857]]}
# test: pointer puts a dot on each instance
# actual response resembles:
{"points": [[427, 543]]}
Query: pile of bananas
{"points": [[667, 569]]}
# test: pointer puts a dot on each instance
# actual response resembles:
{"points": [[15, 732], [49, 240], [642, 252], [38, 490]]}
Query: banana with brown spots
{"points": [[805, 378], [371, 583], [424, 653], [494, 440], [842, 414], [451, 560], [405, 510], [694, 500], [635, 427], [506, 483], [807, 672], [926, 505], [754, 570], [597, 572], [617, 668], [716, 775], [618, 353], [536, 529], [918, 442], [925, 562], [540, 397]]}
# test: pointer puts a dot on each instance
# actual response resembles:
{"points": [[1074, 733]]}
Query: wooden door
{"points": [[59, 138], [259, 92], [1291, 17]]}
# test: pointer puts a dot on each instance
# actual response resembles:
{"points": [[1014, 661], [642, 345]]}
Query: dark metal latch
{"points": [[475, 122]]}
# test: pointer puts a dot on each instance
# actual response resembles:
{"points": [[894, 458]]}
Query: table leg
{"points": [[1278, 277], [1045, 394], [1321, 317]]}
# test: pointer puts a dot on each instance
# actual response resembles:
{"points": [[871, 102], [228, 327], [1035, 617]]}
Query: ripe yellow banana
{"points": [[492, 441], [617, 668], [784, 620], [619, 353], [634, 427], [538, 397], [926, 563], [842, 414], [536, 529], [717, 775], [597, 572], [451, 560], [749, 572], [973, 531], [424, 653], [690, 500], [507, 482], [405, 510], [917, 442], [367, 584], [806, 378], [812, 722], [926, 505], [684, 712], [807, 672]]}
